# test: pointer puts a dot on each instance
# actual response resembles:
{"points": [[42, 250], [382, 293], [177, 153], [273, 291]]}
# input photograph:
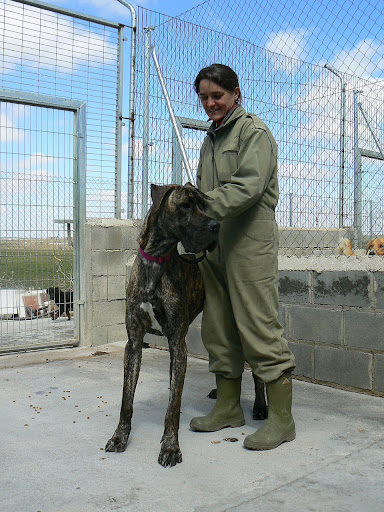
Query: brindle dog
{"points": [[164, 295]]}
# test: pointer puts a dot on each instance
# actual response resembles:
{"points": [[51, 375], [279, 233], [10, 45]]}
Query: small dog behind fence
{"points": [[63, 300]]}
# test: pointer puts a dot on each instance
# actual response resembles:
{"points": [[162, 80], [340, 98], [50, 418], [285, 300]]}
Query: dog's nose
{"points": [[371, 253], [214, 226]]}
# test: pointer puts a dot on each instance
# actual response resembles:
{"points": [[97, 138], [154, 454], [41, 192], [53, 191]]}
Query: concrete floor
{"points": [[58, 408]]}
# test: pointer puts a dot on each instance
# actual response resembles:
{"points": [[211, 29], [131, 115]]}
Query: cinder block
{"points": [[364, 330], [114, 238], [130, 237], [294, 286], [99, 262], [128, 255], [315, 324], [342, 288], [99, 336], [100, 288], [197, 320], [128, 269], [344, 367], [379, 280], [378, 374], [108, 312], [116, 288], [156, 341], [304, 359], [117, 332], [98, 238], [115, 263], [194, 342]]}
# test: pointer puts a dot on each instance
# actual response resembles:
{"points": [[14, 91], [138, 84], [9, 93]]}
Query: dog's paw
{"points": [[117, 443], [169, 456], [260, 412]]}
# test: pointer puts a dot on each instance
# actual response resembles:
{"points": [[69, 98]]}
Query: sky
{"points": [[114, 11]]}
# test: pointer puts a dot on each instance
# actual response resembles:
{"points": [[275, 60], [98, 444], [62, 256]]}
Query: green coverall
{"points": [[238, 170]]}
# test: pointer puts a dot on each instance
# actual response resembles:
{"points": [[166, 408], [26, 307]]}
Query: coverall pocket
{"points": [[227, 165], [261, 230]]}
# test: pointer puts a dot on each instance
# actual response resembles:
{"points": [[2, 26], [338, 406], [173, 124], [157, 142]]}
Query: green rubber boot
{"points": [[227, 411], [280, 427]]}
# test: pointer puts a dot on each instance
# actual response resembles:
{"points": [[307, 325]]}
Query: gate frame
{"points": [[358, 154], [79, 188]]}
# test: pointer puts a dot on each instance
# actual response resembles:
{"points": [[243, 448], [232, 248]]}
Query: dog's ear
{"points": [[198, 192], [157, 194]]}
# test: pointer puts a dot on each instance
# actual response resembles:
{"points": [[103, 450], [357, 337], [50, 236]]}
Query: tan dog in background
{"points": [[375, 247], [345, 248]]}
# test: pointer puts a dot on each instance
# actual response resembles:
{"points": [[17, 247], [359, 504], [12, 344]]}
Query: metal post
{"points": [[177, 162], [342, 146], [173, 118], [147, 87], [290, 209], [357, 196], [79, 217], [131, 131], [119, 123], [370, 219]]}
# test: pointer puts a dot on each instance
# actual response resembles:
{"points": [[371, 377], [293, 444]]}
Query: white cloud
{"points": [[22, 184], [365, 60], [51, 42], [36, 161], [288, 47], [8, 131]]}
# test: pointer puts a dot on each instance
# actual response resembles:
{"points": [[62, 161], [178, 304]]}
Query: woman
{"points": [[238, 171]]}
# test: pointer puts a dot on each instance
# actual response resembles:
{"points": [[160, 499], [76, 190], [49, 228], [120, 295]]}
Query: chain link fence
{"points": [[299, 65], [57, 58], [61, 55]]}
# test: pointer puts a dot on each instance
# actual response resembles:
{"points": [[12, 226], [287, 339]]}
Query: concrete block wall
{"points": [[109, 245], [334, 322]]}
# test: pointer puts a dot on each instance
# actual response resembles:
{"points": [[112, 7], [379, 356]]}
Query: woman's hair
{"points": [[222, 75]]}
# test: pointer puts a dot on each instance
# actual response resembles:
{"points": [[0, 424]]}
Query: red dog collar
{"points": [[155, 259]]}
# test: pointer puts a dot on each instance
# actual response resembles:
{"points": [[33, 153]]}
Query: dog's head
{"points": [[179, 214], [375, 247]]}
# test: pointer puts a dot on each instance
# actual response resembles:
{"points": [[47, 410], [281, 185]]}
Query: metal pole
{"points": [[79, 217], [119, 123], [370, 219], [290, 209], [173, 118], [357, 196], [147, 87], [131, 131], [342, 146]]}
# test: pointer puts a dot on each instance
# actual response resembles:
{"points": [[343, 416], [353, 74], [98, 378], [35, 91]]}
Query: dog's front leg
{"points": [[170, 453], [132, 362]]}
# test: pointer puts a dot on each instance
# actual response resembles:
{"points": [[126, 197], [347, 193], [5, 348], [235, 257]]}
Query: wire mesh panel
{"points": [[279, 52], [37, 226], [60, 55]]}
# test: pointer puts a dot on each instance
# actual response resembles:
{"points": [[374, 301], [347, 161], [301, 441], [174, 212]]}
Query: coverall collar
{"points": [[231, 117]]}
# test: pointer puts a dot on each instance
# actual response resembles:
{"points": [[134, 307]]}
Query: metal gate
{"points": [[42, 218]]}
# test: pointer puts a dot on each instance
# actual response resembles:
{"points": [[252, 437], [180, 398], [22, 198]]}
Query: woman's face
{"points": [[216, 101]]}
